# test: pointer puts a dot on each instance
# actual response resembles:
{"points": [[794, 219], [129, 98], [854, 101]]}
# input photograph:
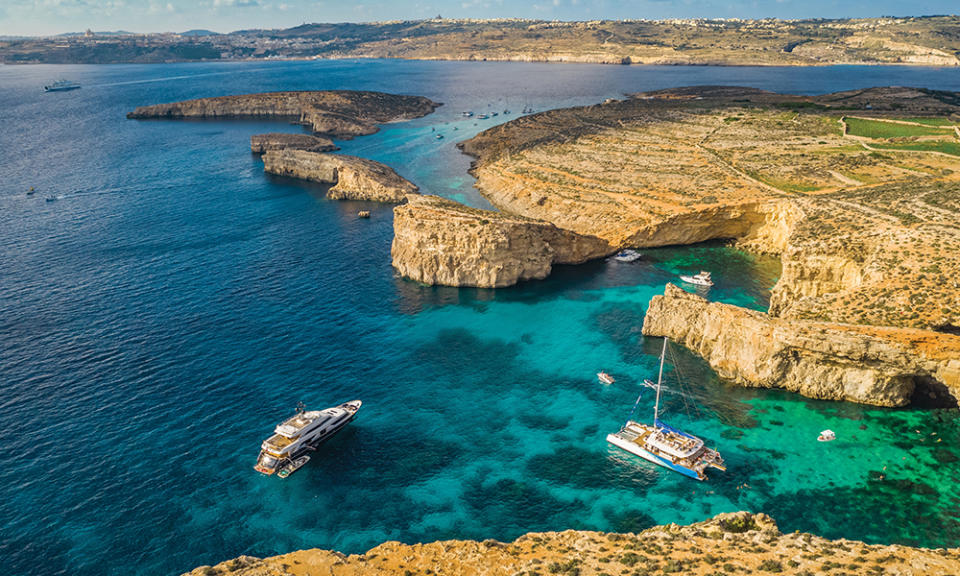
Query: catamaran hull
{"points": [[637, 450]]}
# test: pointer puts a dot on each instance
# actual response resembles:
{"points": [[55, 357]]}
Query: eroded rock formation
{"points": [[339, 113], [353, 178], [439, 241], [870, 365], [261, 143], [740, 542]]}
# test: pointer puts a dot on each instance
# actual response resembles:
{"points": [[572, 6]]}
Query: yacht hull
{"points": [[638, 450]]}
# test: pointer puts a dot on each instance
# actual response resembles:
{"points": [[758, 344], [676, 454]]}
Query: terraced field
{"points": [[865, 216]]}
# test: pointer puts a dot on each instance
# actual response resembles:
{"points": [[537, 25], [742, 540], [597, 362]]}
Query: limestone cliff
{"points": [[438, 241], [880, 366], [340, 113], [737, 543], [261, 143], [353, 178]]}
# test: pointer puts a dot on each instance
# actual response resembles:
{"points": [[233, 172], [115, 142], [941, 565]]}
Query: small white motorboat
{"points": [[292, 466], [826, 436], [627, 256], [701, 279], [605, 378]]}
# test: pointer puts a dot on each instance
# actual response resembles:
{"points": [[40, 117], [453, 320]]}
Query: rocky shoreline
{"points": [[352, 178], [337, 113], [879, 366], [868, 229], [262, 143], [439, 241], [726, 544], [334, 113]]}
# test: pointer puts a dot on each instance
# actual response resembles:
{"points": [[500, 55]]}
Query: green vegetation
{"points": [[952, 148], [738, 524], [929, 121], [879, 129]]}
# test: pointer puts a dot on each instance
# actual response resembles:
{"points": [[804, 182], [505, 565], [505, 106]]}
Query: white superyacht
{"points": [[302, 433]]}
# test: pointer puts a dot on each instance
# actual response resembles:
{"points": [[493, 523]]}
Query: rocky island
{"points": [[858, 192], [736, 543], [353, 178], [262, 143], [336, 113]]}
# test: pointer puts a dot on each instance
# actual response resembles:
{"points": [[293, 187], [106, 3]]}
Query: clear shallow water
{"points": [[174, 303]]}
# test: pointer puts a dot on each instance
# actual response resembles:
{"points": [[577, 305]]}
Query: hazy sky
{"points": [[31, 17]]}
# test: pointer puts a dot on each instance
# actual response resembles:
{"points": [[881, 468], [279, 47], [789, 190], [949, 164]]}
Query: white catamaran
{"points": [[663, 445]]}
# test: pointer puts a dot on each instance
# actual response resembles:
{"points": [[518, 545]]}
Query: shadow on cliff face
{"points": [[930, 393]]}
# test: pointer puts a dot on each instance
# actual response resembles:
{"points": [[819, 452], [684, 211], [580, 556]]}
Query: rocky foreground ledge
{"points": [[439, 241], [737, 543], [338, 113], [829, 361], [353, 178]]}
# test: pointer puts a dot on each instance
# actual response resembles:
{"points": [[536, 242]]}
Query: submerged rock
{"points": [[353, 178]]}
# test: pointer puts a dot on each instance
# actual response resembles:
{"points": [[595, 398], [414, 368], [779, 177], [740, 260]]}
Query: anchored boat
{"points": [[701, 279], [627, 256], [605, 378], [664, 445], [300, 434], [61, 86]]}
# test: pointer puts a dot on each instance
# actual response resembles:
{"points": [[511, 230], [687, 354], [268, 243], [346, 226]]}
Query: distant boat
{"points": [[826, 436], [627, 256], [61, 86], [605, 378], [483, 116], [664, 445], [701, 279], [363, 214], [466, 113], [52, 198], [439, 136]]}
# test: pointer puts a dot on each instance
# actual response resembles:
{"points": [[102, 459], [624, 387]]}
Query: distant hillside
{"points": [[928, 41]]}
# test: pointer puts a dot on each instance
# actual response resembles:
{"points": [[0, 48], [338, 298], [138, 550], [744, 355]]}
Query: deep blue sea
{"points": [[163, 304]]}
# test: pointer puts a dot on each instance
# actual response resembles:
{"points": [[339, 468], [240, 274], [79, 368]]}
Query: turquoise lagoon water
{"points": [[171, 303]]}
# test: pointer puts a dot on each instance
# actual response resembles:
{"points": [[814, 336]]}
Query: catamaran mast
{"points": [[656, 405]]}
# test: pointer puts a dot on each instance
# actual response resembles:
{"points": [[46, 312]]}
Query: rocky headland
{"points": [[261, 143], [858, 192], [352, 178], [439, 241], [336, 113], [872, 365], [736, 543]]}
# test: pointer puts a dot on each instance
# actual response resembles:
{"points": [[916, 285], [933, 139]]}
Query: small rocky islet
{"points": [[329, 114]]}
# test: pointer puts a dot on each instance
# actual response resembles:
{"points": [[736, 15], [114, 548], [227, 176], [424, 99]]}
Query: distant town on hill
{"points": [[929, 41]]}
